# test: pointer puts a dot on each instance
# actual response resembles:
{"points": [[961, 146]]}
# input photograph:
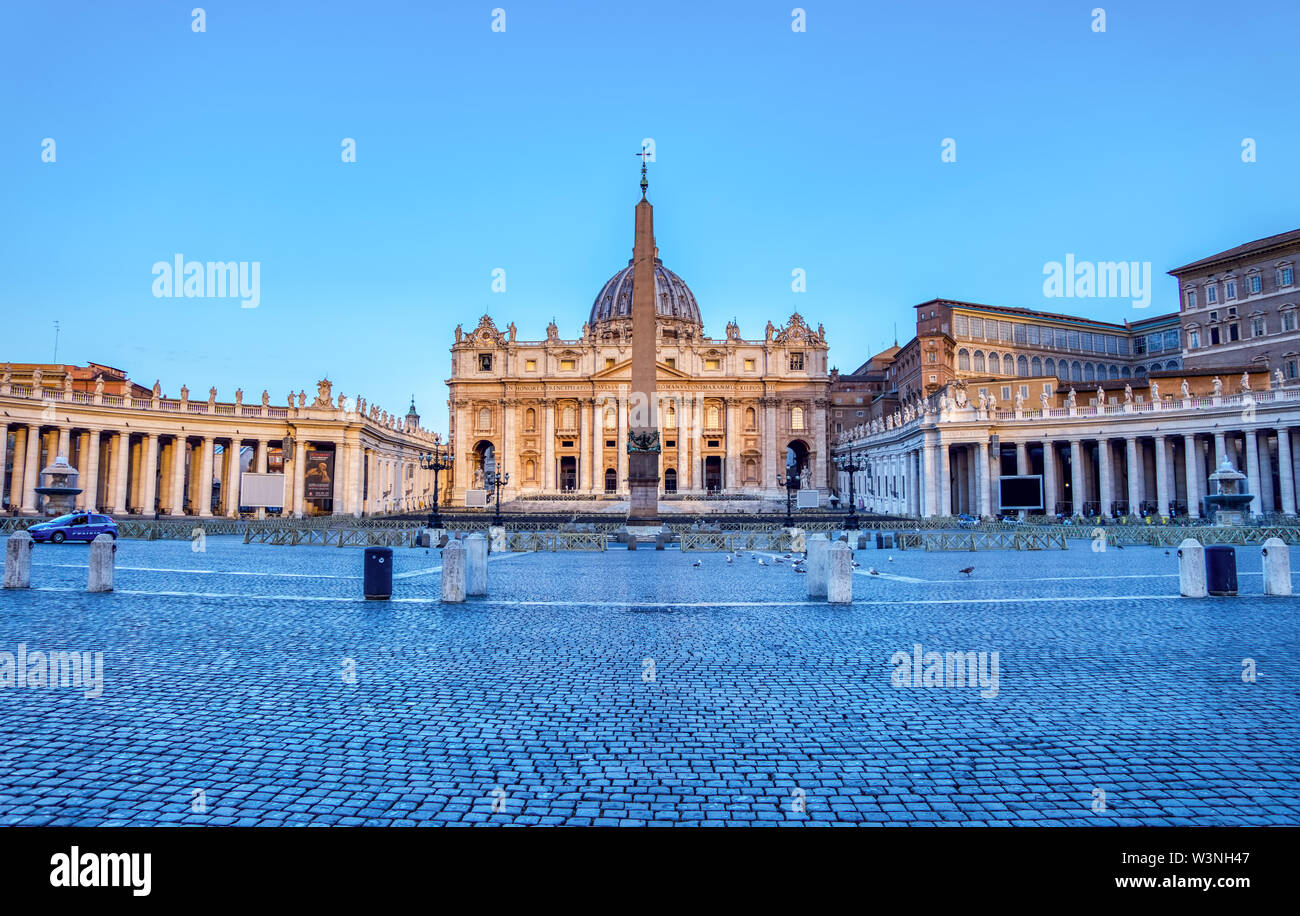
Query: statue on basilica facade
{"points": [[1218, 387], [99, 384], [212, 395], [1155, 390], [460, 333], [1071, 399], [770, 332], [157, 388], [1245, 381], [266, 398], [1186, 390], [552, 332]]}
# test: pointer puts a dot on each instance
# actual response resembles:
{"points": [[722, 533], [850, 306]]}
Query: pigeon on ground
{"points": [[1166, 553], [891, 559], [873, 570], [856, 564], [968, 570], [760, 562], [1119, 546], [696, 563], [728, 558]]}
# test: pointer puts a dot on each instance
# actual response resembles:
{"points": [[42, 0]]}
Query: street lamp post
{"points": [[791, 484], [852, 465], [440, 459], [495, 482]]}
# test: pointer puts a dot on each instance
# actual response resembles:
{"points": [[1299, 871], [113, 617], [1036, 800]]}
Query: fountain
{"points": [[1228, 505], [60, 486]]}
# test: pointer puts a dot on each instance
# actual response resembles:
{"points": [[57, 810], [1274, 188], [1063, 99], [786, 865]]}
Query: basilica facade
{"points": [[733, 413]]}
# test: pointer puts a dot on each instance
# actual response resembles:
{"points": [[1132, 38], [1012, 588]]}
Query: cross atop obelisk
{"points": [[643, 426]]}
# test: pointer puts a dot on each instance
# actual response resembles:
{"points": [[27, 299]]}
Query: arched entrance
{"points": [[713, 473], [670, 480], [568, 473], [483, 462], [797, 461]]}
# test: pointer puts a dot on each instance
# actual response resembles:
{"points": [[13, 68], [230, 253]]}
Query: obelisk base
{"points": [[643, 488]]}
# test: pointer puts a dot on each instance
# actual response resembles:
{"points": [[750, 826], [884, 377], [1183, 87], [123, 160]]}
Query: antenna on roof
{"points": [[56, 343]]}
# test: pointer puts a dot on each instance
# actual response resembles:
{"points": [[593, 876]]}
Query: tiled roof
{"points": [[1258, 245]]}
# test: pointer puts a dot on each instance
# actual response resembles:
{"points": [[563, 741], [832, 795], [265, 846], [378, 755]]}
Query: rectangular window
{"points": [[1214, 336], [1123, 346], [1006, 392], [485, 362], [1032, 332], [1190, 298], [609, 362], [611, 443], [1171, 340], [1140, 346], [1004, 331], [712, 363], [749, 365], [1257, 327], [671, 362], [568, 365], [1073, 340], [1061, 338], [1211, 295], [1155, 343], [796, 362], [1256, 283], [1234, 332], [934, 357], [960, 325], [1193, 339], [1112, 345], [977, 328], [1020, 334], [1230, 289], [1286, 276], [1292, 368], [530, 365], [1288, 321]]}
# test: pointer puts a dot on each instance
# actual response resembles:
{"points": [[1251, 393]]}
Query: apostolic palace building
{"points": [[1117, 419], [554, 413]]}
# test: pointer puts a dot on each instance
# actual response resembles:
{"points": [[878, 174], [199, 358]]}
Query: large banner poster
{"points": [[318, 475]]}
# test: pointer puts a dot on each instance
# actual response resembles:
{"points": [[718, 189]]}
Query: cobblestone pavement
{"points": [[250, 685]]}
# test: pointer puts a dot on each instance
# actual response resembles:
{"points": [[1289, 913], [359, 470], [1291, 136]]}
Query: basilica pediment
{"points": [[623, 371]]}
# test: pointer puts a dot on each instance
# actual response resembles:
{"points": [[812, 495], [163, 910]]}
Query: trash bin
{"points": [[1221, 570], [378, 573]]}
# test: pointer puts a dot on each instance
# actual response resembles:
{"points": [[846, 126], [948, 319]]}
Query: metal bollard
{"points": [[1191, 569], [476, 554], [1277, 567], [18, 560], [818, 565], [103, 556], [839, 585], [1221, 570], [453, 573]]}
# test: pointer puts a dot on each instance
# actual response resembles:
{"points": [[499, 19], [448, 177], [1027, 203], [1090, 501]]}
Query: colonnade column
{"points": [[1162, 477], [680, 433], [149, 471], [1076, 477], [945, 480], [1134, 475], [1268, 504], [20, 461], [230, 487], [982, 477], [90, 480], [1285, 470], [622, 443], [1105, 478], [930, 499], [176, 496], [1049, 477], [585, 430], [121, 470], [1192, 459], [1252, 471], [732, 461], [1220, 450]]}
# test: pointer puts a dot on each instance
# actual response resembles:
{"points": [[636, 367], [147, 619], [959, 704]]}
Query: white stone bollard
{"points": [[476, 554], [18, 560], [103, 556], [839, 584], [497, 537], [1277, 567], [818, 568], [1191, 569], [453, 572]]}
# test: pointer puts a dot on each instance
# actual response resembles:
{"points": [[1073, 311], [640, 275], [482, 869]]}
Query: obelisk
{"points": [[643, 424]]}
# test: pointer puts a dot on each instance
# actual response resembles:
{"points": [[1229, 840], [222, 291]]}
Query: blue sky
{"points": [[478, 150]]}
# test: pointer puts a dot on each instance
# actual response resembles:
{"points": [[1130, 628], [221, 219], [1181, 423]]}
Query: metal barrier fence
{"points": [[525, 541], [732, 541]]}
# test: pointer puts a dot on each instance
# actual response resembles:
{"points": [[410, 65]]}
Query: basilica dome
{"points": [[673, 298]]}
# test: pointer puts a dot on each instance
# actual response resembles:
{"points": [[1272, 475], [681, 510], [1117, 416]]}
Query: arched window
{"points": [[1076, 371], [611, 421], [1172, 364], [712, 417], [611, 480], [796, 418], [1022, 367], [1125, 373], [963, 360], [751, 418], [530, 419], [1049, 367], [568, 418], [484, 418], [1114, 372], [979, 361], [1140, 372], [530, 469], [995, 363], [1008, 365], [1036, 367], [670, 416], [1089, 373], [670, 480]]}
